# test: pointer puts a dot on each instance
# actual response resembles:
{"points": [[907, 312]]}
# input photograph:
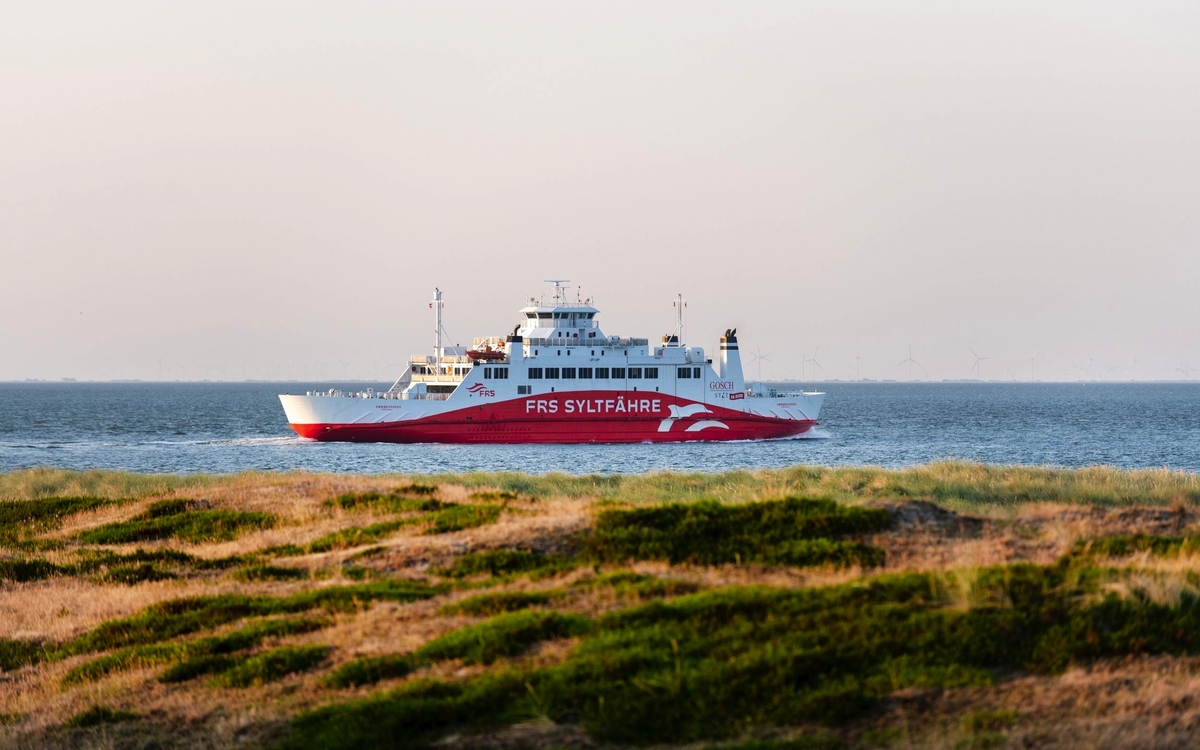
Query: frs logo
{"points": [[479, 389], [736, 396]]}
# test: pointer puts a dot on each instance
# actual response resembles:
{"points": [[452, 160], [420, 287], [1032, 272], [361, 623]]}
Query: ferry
{"points": [[557, 378]]}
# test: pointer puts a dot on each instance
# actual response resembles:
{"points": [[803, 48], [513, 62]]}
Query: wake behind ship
{"points": [[558, 379]]}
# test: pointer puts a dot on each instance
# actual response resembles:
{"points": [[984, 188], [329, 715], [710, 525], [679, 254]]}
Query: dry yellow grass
{"points": [[1044, 513]]}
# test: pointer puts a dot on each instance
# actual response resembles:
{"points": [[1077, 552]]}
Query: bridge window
{"points": [[650, 373], [585, 373], [531, 315], [535, 373], [487, 373], [568, 373], [618, 373], [635, 373], [601, 373], [500, 373], [696, 373], [543, 316], [684, 373], [551, 373]]}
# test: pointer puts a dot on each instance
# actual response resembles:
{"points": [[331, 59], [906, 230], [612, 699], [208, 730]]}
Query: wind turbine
{"points": [[1087, 369], [815, 364], [910, 362], [759, 357], [856, 360], [976, 369], [1184, 370], [1031, 367]]}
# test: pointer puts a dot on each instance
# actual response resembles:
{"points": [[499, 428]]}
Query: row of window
{"points": [[585, 373], [590, 373], [559, 315]]}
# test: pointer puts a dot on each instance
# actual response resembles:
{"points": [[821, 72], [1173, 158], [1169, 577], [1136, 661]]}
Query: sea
{"points": [[231, 427]]}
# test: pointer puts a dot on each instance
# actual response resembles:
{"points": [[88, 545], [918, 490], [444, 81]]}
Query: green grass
{"points": [[629, 585], [347, 538], [1124, 546], [486, 605], [503, 562], [43, 482], [265, 572], [173, 519], [112, 567], [272, 665], [781, 532], [23, 571], [15, 654], [958, 484], [370, 670], [179, 617], [731, 662], [46, 513], [504, 635], [97, 715], [386, 502], [191, 651]]}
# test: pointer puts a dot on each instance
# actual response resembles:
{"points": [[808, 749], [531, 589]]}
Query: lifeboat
{"points": [[487, 354]]}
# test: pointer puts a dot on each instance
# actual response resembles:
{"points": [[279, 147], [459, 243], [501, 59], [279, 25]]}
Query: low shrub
{"points": [[486, 605], [784, 532], [178, 617], [137, 573], [17, 516], [1124, 546], [15, 653], [459, 517], [272, 665], [198, 666], [97, 715], [164, 653], [357, 537], [394, 502], [264, 572], [731, 662], [636, 586], [23, 571], [498, 562], [370, 670], [504, 635], [173, 518]]}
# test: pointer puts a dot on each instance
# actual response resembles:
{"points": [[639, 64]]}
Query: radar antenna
{"points": [[560, 289]]}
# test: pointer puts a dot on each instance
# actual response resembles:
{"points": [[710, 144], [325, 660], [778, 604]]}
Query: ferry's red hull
{"points": [[633, 430], [574, 417]]}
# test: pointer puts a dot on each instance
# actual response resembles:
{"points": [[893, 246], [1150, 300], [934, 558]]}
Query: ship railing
{"points": [[613, 342], [429, 396]]}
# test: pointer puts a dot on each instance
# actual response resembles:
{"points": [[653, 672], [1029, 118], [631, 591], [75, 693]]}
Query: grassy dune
{"points": [[950, 605]]}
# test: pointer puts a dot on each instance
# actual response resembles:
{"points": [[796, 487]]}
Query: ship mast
{"points": [[680, 304], [437, 340]]}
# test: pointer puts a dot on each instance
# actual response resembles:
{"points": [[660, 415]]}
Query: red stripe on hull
{"points": [[576, 417], [637, 430]]}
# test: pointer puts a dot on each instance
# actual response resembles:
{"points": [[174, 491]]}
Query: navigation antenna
{"points": [[680, 305], [436, 304], [560, 289]]}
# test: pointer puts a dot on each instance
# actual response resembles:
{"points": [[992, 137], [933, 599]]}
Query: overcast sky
{"points": [[255, 189]]}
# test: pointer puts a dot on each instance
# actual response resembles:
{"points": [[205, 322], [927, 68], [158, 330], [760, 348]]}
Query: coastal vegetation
{"points": [[951, 605]]}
